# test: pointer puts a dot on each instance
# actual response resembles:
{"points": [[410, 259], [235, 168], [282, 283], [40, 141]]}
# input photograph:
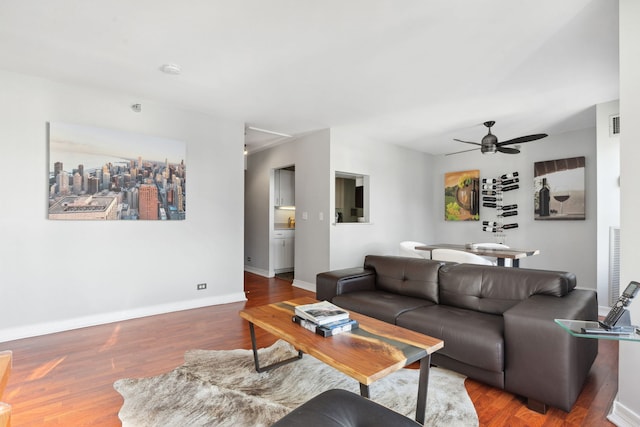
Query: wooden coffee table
{"points": [[366, 354]]}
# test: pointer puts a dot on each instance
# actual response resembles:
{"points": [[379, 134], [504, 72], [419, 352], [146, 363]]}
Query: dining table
{"points": [[501, 254]]}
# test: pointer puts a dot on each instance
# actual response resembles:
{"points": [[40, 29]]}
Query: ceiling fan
{"points": [[491, 145]]}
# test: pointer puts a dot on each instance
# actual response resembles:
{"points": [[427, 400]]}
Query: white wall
{"points": [[563, 245], [399, 193], [626, 410], [310, 155], [608, 158], [312, 198], [58, 275], [399, 196], [407, 203]]}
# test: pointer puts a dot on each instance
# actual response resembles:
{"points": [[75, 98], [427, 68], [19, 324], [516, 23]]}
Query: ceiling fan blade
{"points": [[523, 139], [507, 150], [467, 142], [463, 151]]}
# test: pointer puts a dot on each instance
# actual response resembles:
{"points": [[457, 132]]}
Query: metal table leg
{"points": [[515, 262], [423, 384], [255, 354], [364, 390]]}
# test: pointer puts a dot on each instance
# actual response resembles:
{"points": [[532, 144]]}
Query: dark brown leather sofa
{"points": [[497, 323]]}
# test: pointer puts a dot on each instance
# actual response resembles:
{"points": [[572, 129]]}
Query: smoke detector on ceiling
{"points": [[171, 69]]}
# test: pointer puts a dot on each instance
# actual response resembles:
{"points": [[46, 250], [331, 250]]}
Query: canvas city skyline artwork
{"points": [[105, 174]]}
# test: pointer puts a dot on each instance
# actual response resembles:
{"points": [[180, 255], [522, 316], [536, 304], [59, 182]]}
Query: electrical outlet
{"points": [[248, 259], [201, 286]]}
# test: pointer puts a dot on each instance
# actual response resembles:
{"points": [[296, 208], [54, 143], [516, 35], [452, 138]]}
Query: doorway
{"points": [[283, 222]]}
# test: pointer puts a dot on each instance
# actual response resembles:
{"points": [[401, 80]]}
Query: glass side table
{"points": [[590, 329]]}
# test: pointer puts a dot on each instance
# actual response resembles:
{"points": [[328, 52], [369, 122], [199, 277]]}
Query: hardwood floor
{"points": [[66, 379]]}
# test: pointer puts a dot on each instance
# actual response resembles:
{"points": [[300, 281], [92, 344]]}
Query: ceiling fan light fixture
{"points": [[490, 144]]}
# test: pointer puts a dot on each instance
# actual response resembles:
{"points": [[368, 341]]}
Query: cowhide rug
{"points": [[222, 388]]}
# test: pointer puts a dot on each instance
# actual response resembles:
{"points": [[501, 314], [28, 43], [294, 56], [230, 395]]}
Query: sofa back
{"points": [[415, 277], [494, 290]]}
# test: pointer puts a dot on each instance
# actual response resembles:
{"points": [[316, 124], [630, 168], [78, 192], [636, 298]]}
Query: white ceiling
{"points": [[413, 72]]}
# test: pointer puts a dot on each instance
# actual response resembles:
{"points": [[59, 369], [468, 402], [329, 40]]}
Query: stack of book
{"points": [[324, 318]]}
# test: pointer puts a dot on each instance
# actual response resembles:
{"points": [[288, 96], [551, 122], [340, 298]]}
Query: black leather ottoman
{"points": [[341, 408]]}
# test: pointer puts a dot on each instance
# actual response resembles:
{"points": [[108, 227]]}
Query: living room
{"points": [[64, 275]]}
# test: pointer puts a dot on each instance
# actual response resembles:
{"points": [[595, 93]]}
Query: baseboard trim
{"points": [[304, 285], [258, 271], [622, 416], [11, 334]]}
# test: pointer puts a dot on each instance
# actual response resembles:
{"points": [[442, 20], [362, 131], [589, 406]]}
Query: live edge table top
{"points": [[366, 354]]}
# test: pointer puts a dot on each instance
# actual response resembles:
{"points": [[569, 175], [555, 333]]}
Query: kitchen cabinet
{"points": [[282, 249], [284, 186]]}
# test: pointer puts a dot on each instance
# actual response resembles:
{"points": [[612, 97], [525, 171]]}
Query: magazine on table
{"points": [[321, 313], [330, 329]]}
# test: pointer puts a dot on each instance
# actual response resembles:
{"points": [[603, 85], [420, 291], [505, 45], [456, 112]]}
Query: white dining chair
{"points": [[491, 245], [452, 255], [407, 249]]}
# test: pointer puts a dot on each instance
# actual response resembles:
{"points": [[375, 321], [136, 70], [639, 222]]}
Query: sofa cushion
{"points": [[469, 336], [494, 290], [381, 305], [414, 277]]}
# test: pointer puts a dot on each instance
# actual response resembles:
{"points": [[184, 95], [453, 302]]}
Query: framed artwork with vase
{"points": [[462, 196]]}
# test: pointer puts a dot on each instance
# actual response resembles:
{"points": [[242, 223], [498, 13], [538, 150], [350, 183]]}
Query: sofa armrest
{"points": [[332, 283], [544, 362]]}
